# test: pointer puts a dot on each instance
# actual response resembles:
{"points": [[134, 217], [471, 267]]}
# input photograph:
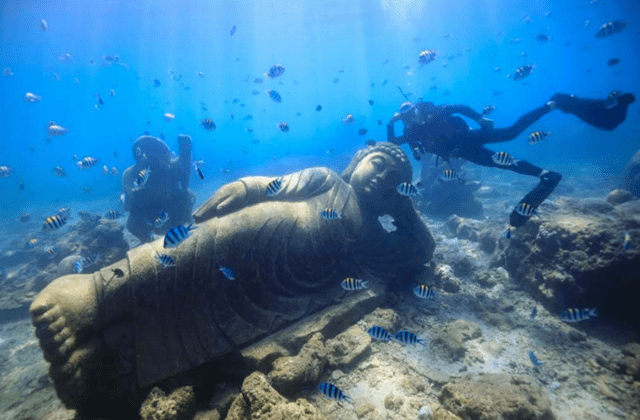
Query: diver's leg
{"points": [[605, 114], [548, 180], [499, 135]]}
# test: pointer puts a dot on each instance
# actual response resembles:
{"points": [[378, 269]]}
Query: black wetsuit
{"points": [[447, 136]]}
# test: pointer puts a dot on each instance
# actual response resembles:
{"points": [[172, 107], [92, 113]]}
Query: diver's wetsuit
{"points": [[447, 136]]}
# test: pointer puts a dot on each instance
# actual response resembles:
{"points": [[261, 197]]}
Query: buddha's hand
{"points": [[227, 199]]}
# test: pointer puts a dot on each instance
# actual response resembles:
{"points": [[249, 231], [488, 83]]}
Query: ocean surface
{"points": [[108, 72]]}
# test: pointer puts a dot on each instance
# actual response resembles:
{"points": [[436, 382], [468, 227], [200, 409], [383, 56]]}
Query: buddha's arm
{"points": [[253, 190]]}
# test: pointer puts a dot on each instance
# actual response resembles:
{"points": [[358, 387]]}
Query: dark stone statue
{"points": [[108, 336]]}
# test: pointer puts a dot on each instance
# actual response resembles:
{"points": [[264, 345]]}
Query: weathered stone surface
{"points": [[260, 401], [179, 405], [223, 397], [440, 413], [444, 275], [348, 347], [207, 415], [292, 372], [448, 339], [261, 355], [385, 318], [573, 255], [631, 175], [496, 396]]}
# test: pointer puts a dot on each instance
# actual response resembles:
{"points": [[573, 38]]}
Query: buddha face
{"points": [[372, 174]]}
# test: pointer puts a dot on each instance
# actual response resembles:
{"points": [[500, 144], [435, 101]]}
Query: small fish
{"points": [[627, 244], [5, 171], [504, 159], [169, 117], [275, 96], [362, 131], [330, 214], [87, 189], [54, 222], [353, 284], [199, 172], [25, 218], [50, 250], [143, 177], [333, 392], [423, 291], [370, 142], [114, 171], [348, 119], [21, 185], [166, 260], [543, 38], [577, 315], [283, 126], [156, 83], [55, 130], [257, 80], [612, 99], [87, 162], [32, 243], [87, 261], [612, 62], [232, 30], [112, 92], [449, 175], [32, 97], [537, 136], [105, 170], [523, 71], [208, 124], [176, 235], [524, 209], [117, 272], [380, 334], [534, 312], [44, 25], [7, 72], [407, 337], [163, 217], [534, 360], [407, 188], [113, 215], [248, 117], [488, 110], [371, 102], [336, 80], [228, 272], [426, 57], [274, 187], [610, 28], [275, 71]]}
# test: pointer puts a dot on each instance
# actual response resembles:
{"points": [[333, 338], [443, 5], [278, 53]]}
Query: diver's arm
{"points": [[390, 133], [465, 110], [252, 190]]}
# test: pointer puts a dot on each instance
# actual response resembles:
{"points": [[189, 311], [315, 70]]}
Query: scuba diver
{"points": [[434, 129], [156, 188]]}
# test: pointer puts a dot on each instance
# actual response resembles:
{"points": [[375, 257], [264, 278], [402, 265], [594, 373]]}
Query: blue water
{"points": [[312, 40]]}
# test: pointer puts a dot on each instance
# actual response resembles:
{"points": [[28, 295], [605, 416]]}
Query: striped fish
{"points": [[166, 260], [284, 127], [504, 159], [55, 130], [87, 261], [32, 243], [162, 218], [423, 291], [64, 212], [176, 235], [523, 71], [353, 284], [380, 334], [228, 272], [407, 337], [525, 209], [333, 392], [330, 214], [87, 162], [507, 232], [488, 110], [59, 171], [113, 215], [275, 96], [610, 28], [274, 187], [577, 315], [50, 250], [537, 136], [208, 124], [275, 71], [143, 177], [426, 56], [54, 222], [449, 175], [407, 188]]}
